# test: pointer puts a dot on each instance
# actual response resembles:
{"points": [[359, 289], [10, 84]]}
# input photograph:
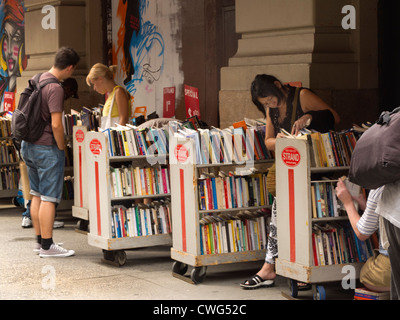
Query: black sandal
{"points": [[257, 282], [302, 286]]}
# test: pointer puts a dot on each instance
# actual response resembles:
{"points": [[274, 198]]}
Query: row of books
{"points": [[5, 127], [226, 233], [229, 191], [336, 243], [8, 153], [325, 203], [136, 181], [70, 120], [130, 141], [9, 178], [141, 220], [89, 118], [230, 145], [330, 149]]}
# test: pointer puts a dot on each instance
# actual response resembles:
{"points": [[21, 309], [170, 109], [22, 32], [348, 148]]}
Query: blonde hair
{"points": [[101, 70]]}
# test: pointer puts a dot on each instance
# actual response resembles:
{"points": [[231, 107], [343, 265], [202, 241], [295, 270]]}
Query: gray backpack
{"points": [[376, 158]]}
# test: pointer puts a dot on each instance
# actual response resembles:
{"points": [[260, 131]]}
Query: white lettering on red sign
{"points": [[80, 136], [95, 147], [181, 153], [291, 157]]}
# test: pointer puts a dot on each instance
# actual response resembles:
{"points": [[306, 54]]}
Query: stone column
{"points": [[301, 40], [77, 24]]}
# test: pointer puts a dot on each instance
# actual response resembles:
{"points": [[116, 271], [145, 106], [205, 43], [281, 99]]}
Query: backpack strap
{"points": [[295, 102], [44, 83]]}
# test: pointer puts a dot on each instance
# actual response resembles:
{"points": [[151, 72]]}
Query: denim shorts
{"points": [[45, 169]]}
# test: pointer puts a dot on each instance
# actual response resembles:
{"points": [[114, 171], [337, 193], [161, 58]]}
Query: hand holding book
{"points": [[301, 123]]}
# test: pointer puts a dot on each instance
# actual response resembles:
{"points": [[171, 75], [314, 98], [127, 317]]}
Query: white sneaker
{"points": [[26, 222], [58, 224], [55, 251]]}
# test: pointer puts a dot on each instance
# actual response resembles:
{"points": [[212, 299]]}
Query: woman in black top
{"points": [[276, 101]]}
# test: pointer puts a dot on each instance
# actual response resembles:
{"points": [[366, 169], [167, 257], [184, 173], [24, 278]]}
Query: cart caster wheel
{"points": [[83, 225], [179, 268], [294, 289], [198, 274], [108, 255], [319, 293], [120, 257]]}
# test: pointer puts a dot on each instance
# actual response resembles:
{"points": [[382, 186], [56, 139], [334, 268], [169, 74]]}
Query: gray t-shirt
{"points": [[389, 205], [52, 101]]}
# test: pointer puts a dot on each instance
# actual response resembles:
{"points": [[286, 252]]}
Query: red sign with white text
{"points": [[80, 136], [95, 147], [181, 153], [291, 157], [169, 102], [192, 102], [9, 101]]}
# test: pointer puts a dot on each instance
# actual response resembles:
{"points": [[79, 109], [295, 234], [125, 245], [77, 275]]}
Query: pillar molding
{"points": [[78, 25], [300, 40]]}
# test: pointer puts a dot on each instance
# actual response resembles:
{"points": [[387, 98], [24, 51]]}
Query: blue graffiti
{"points": [[147, 52]]}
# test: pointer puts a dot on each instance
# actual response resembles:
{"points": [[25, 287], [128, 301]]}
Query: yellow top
{"points": [[107, 105]]}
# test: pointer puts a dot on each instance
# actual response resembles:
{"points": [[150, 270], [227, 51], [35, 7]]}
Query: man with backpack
{"points": [[45, 157]]}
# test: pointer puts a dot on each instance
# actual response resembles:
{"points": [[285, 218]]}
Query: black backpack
{"points": [[27, 123]]}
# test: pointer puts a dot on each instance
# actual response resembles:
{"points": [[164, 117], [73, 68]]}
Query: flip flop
{"points": [[257, 282]]}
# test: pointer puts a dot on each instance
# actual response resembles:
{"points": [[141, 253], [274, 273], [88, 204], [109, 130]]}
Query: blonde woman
{"points": [[117, 106]]}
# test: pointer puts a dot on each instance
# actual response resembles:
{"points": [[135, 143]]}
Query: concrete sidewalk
{"points": [[147, 275]]}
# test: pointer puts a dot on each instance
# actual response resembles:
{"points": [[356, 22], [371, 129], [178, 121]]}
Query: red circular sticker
{"points": [[80, 136], [291, 157], [181, 153], [95, 147]]}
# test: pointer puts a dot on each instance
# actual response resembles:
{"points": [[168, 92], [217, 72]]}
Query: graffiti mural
{"points": [[12, 58], [140, 48]]}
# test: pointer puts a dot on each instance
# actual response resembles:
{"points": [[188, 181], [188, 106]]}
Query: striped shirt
{"points": [[369, 221]]}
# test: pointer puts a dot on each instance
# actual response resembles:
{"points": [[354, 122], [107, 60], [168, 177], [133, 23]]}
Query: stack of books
{"points": [[366, 294], [141, 220]]}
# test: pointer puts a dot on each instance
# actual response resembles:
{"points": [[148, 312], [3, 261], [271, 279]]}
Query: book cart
{"points": [[295, 220], [101, 202], [9, 168], [81, 201], [186, 214]]}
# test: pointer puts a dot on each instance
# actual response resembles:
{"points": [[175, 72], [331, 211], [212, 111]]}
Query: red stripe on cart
{"points": [[183, 213], [96, 173], [80, 176], [292, 228]]}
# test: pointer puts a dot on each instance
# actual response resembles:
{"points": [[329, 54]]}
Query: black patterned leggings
{"points": [[272, 247]]}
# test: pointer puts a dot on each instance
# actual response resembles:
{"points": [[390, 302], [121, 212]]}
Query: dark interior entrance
{"points": [[389, 54]]}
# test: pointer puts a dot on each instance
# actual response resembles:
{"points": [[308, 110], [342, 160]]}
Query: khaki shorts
{"points": [[376, 271]]}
